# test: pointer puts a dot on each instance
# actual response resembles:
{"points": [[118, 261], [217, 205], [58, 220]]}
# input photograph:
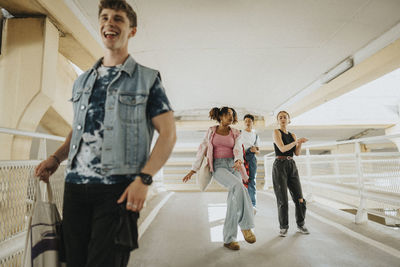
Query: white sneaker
{"points": [[303, 230], [283, 232], [255, 210]]}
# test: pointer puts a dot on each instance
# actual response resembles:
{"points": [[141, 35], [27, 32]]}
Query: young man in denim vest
{"points": [[117, 105]]}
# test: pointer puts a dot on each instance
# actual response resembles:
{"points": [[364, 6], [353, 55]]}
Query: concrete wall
{"points": [[35, 84]]}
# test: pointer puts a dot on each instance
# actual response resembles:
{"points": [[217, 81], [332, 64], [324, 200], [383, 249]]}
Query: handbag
{"points": [[246, 161], [44, 244], [204, 175], [246, 166]]}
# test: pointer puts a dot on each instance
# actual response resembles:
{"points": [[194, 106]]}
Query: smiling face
{"points": [[115, 29]]}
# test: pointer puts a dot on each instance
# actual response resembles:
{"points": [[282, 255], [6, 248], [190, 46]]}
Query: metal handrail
{"points": [[16, 179], [31, 134], [13, 173], [326, 175], [373, 177], [353, 141]]}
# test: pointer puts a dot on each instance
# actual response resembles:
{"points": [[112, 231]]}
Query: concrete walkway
{"points": [[187, 232]]}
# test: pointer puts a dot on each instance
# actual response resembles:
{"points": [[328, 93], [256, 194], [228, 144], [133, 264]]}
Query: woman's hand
{"points": [[302, 140], [237, 165], [245, 180], [188, 176]]}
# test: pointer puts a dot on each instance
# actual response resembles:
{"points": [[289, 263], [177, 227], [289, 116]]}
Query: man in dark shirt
{"points": [[117, 105]]}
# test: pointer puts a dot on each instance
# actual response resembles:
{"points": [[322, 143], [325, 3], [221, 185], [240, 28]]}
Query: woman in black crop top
{"points": [[285, 175]]}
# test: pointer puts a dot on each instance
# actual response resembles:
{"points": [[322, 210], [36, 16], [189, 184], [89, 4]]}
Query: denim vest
{"points": [[128, 131]]}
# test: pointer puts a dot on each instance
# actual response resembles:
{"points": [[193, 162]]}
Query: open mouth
{"points": [[110, 34]]}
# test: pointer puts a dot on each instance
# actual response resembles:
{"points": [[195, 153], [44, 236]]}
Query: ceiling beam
{"points": [[76, 42], [22, 7]]}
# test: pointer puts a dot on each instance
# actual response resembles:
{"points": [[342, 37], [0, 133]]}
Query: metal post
{"points": [[309, 196], [362, 215], [42, 155], [42, 151]]}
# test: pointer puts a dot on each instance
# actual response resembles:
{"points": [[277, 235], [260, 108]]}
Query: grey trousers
{"points": [[239, 207]]}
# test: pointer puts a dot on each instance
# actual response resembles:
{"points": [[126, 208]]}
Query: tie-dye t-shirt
{"points": [[86, 167]]}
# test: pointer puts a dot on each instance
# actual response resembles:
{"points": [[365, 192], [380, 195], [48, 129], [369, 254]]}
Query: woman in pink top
{"points": [[225, 158]]}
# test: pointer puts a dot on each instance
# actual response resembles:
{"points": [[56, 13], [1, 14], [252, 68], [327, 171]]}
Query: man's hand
{"points": [[50, 165], [135, 195], [253, 149], [46, 168], [238, 165]]}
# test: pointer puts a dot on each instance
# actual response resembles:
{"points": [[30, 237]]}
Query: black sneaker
{"points": [[303, 230], [283, 232]]}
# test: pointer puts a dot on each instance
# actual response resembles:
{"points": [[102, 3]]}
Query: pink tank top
{"points": [[223, 145]]}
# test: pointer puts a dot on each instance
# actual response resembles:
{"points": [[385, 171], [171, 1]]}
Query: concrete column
{"points": [[28, 70]]}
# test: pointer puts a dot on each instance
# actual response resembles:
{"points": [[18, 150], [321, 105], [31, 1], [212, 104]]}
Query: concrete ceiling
{"points": [[252, 55]]}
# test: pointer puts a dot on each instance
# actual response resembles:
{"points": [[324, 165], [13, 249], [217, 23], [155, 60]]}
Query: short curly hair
{"points": [[251, 117], [120, 5]]}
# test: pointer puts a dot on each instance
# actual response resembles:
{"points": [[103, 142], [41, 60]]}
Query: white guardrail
{"points": [[17, 192], [368, 182]]}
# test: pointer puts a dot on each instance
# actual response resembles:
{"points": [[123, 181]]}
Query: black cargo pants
{"points": [[285, 176]]}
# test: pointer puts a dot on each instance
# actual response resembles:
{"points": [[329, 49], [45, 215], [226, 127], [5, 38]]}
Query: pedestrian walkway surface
{"points": [[188, 232]]}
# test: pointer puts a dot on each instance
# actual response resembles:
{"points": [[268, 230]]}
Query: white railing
{"points": [[17, 192], [30, 134], [368, 182]]}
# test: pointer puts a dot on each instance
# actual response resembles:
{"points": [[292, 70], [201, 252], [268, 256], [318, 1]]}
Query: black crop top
{"points": [[286, 139]]}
